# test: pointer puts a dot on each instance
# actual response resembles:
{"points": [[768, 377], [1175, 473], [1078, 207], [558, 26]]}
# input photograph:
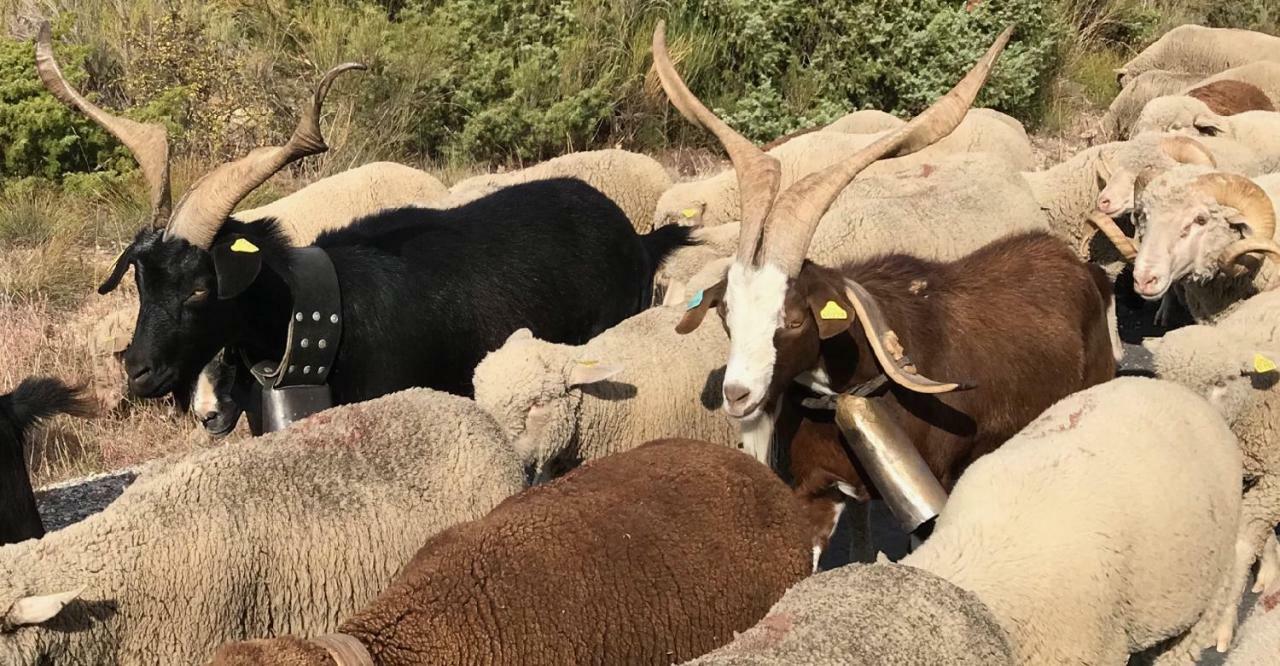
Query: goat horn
{"points": [[201, 211], [799, 209], [1128, 247], [147, 142], [758, 172], [1186, 150], [345, 650], [887, 348]]}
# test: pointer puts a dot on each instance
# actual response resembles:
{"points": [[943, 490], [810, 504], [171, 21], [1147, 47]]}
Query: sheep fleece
{"points": [[291, 532]]}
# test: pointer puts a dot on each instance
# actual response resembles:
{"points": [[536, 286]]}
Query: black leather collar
{"points": [[315, 322]]}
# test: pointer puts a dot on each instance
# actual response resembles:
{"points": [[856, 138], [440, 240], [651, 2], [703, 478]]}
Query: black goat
{"points": [[425, 293], [33, 400]]}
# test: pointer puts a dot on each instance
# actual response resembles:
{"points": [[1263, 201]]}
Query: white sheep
{"points": [[334, 202], [943, 209], [1078, 541], [1259, 636], [1200, 229], [1233, 364], [1260, 130], [636, 382], [1201, 50], [714, 200], [1126, 106], [289, 533], [631, 180], [866, 121]]}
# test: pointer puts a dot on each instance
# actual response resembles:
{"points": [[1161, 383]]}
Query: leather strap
{"points": [[345, 650], [315, 322]]}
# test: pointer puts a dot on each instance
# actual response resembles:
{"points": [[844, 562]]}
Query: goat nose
{"points": [[736, 393]]}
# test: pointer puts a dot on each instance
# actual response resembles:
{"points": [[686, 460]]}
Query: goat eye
{"points": [[198, 296]]}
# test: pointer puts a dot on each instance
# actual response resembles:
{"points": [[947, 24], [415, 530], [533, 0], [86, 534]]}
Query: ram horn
{"points": [[345, 650], [147, 142], [887, 348], [1128, 247], [1186, 150], [795, 216], [1241, 193], [201, 211], [758, 172], [1237, 249]]}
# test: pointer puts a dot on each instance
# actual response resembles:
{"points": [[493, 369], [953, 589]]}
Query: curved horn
{"points": [[1128, 247], [799, 209], [1241, 193], [1142, 180], [200, 212], [1186, 150], [887, 348], [1240, 248], [147, 142], [758, 172], [344, 650]]}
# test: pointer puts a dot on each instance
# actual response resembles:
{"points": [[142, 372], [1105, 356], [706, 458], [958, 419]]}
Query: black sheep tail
{"points": [[38, 398]]}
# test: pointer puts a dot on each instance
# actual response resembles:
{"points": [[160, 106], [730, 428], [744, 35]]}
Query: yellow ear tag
{"points": [[242, 245], [833, 311], [1262, 364], [688, 213]]}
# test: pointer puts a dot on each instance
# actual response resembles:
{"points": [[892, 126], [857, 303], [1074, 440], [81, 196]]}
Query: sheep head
{"points": [[1124, 168], [1196, 223], [184, 255], [774, 304], [1226, 369], [1171, 113], [533, 389]]}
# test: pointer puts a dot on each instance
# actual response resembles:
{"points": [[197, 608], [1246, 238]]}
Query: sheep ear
{"points": [[518, 335], [236, 262], [692, 216], [591, 372], [37, 610], [699, 305], [1263, 364], [831, 309], [1208, 125]]}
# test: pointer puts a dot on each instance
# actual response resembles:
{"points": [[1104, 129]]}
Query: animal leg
{"points": [[1258, 518], [1269, 567]]}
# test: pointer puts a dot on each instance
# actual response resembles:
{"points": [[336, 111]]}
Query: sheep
{"points": [[289, 533], [631, 180], [1202, 110], [1259, 636], [1194, 225], [34, 400], [868, 121], [635, 382], [1077, 541], [1260, 130], [1201, 50], [333, 202], [942, 209], [865, 614], [1124, 109], [673, 546], [1233, 364], [714, 200]]}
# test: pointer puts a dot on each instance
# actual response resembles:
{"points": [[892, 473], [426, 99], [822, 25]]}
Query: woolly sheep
{"points": [[1260, 130], [1201, 50], [334, 202], [666, 550], [1193, 224], [631, 180], [865, 614], [1071, 543], [714, 200], [1193, 115], [867, 121], [1259, 636], [289, 533], [1128, 104], [1122, 537], [941, 209], [1232, 363], [636, 382]]}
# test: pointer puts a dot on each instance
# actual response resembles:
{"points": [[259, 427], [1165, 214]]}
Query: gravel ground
{"points": [[72, 501]]}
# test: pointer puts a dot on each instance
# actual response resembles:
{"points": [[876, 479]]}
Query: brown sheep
{"points": [[656, 555], [1227, 98]]}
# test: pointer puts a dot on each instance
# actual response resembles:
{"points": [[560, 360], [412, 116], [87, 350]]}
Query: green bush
{"points": [[38, 135]]}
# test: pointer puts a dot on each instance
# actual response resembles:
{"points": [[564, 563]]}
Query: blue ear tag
{"points": [[695, 301]]}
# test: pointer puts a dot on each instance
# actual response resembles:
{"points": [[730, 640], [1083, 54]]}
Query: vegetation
{"points": [[455, 86]]}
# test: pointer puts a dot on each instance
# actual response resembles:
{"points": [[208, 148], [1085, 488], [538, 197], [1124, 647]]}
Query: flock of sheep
{"points": [[584, 500]]}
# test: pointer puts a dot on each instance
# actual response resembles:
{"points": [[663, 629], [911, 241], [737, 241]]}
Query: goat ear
{"points": [[699, 304], [831, 309], [236, 262], [37, 610], [118, 269], [1208, 125]]}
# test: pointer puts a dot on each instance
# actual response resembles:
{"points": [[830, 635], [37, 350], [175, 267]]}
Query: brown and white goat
{"points": [[1022, 322]]}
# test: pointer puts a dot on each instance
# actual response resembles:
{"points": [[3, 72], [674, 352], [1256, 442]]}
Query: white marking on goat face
{"points": [[204, 400], [757, 436], [754, 301]]}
